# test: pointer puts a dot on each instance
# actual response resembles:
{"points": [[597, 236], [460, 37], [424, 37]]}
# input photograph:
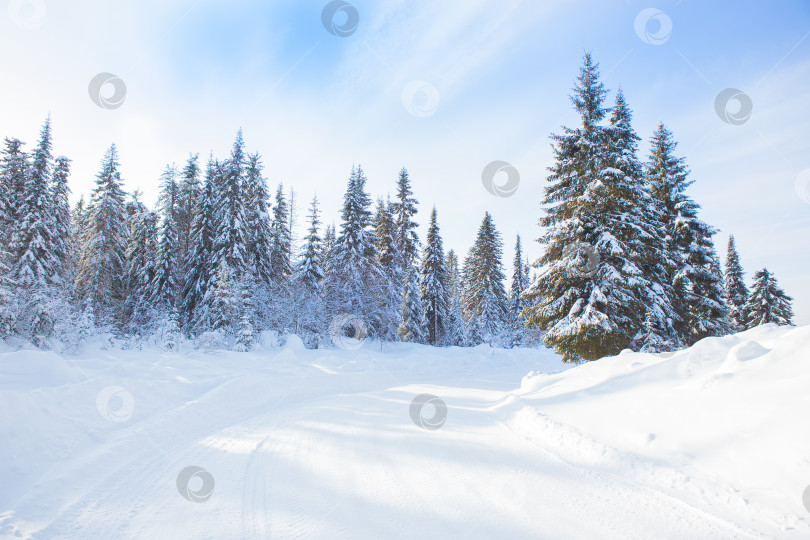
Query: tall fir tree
{"points": [[141, 267], [517, 302], [261, 236], [736, 291], [698, 291], [33, 242], [165, 286], [230, 244], [404, 209], [63, 249], [308, 306], [99, 280], [355, 280], [389, 260], [767, 302], [433, 284], [201, 263], [188, 192], [281, 239], [485, 302], [576, 299]]}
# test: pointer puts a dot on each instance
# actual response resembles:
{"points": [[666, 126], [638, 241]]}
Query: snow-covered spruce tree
{"points": [[520, 283], [455, 328], [412, 317], [14, 170], [389, 260], [589, 294], [281, 264], [261, 246], [99, 280], [200, 263], [224, 296], [767, 302], [63, 253], [188, 193], [404, 208], [245, 311], [230, 243], [165, 285], [354, 278], [308, 285], [141, 268], [698, 289], [433, 284], [638, 257], [35, 268], [736, 291], [485, 300], [281, 249]]}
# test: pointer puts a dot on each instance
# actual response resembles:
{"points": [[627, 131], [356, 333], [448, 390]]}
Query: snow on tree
{"points": [[736, 291], [32, 241], [767, 302], [455, 328], [230, 244], [389, 260], [589, 293], [14, 168], [308, 307], [281, 240], [165, 285], [404, 209], [485, 303], [698, 289], [433, 284], [99, 280], [412, 317], [63, 248], [354, 279], [261, 246], [200, 264], [188, 193], [517, 303], [141, 267]]}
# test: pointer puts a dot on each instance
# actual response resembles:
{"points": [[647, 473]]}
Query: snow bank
{"points": [[708, 442]]}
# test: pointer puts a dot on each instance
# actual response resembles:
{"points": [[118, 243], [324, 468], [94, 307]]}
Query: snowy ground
{"points": [[707, 443]]}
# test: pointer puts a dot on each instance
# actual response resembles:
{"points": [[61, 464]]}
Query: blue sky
{"points": [[499, 75]]}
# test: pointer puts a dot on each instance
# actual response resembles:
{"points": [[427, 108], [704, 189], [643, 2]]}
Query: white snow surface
{"points": [[711, 442]]}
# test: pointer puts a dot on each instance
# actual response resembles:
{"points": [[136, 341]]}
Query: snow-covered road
{"points": [[291, 443]]}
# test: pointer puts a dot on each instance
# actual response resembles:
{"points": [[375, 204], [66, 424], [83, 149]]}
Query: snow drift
{"points": [[287, 442]]}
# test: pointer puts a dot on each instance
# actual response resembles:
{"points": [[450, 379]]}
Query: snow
{"points": [[288, 442]]}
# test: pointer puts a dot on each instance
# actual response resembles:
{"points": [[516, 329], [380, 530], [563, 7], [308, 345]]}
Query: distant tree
{"points": [[99, 280], [767, 302], [433, 284], [736, 291], [485, 300]]}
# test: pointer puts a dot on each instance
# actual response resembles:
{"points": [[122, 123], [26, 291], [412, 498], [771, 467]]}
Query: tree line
{"points": [[627, 263]]}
